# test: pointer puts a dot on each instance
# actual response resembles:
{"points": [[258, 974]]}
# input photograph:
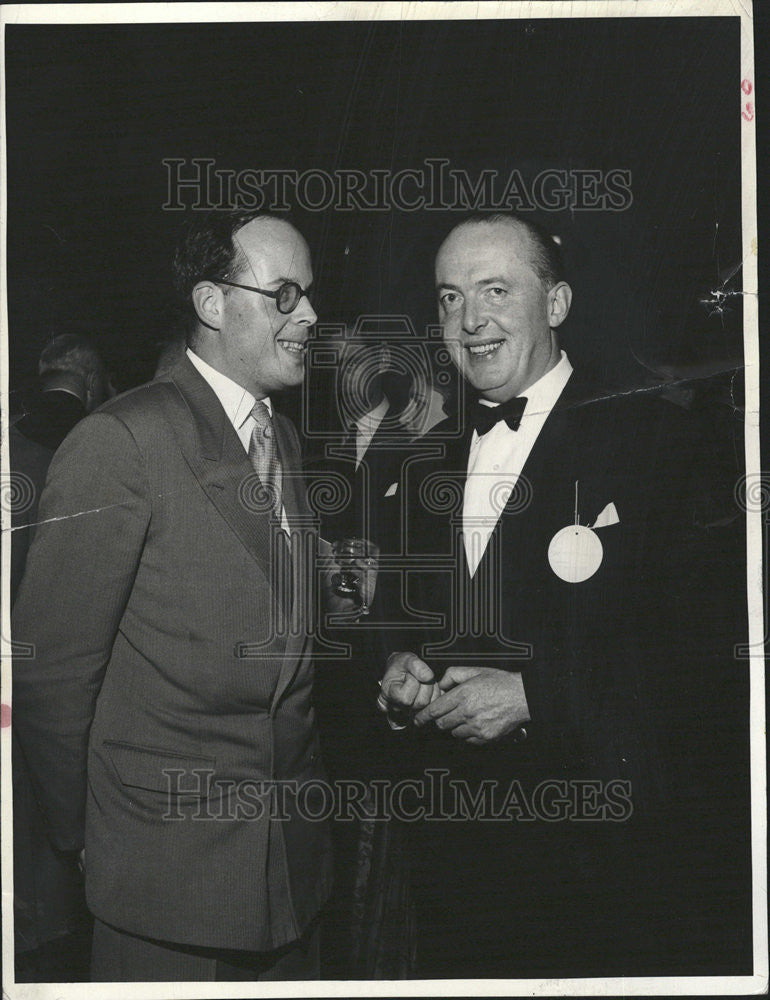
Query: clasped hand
{"points": [[475, 704]]}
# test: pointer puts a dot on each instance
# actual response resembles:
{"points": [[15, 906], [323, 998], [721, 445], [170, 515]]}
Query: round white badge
{"points": [[575, 553]]}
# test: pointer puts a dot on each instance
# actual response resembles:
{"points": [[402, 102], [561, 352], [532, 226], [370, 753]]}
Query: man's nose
{"points": [[304, 314], [473, 320]]}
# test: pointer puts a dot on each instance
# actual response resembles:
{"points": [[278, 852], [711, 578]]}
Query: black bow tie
{"points": [[484, 418]]}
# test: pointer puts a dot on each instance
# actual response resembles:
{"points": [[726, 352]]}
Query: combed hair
{"points": [[547, 261], [72, 353], [207, 250]]}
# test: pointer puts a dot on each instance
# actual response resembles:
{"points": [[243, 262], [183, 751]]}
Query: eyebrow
{"points": [[499, 280], [283, 280], [495, 280]]}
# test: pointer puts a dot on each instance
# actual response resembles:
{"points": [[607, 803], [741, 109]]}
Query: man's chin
{"points": [[288, 385], [292, 376], [484, 382], [284, 384]]}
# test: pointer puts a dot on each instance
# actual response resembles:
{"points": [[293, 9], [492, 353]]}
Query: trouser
{"points": [[118, 956]]}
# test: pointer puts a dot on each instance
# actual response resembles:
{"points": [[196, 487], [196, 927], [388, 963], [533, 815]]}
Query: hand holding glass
{"points": [[357, 562]]}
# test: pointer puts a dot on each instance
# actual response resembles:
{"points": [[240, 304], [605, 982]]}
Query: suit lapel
{"points": [[557, 441], [553, 446], [217, 459], [556, 456], [381, 436]]}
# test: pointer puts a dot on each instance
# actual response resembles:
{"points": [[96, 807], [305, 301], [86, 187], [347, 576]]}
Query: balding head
{"points": [[500, 302]]}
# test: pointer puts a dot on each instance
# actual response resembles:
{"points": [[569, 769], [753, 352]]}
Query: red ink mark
{"points": [[746, 87], [5, 716], [748, 114]]}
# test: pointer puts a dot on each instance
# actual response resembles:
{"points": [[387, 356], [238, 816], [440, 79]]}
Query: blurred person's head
{"points": [[70, 363]]}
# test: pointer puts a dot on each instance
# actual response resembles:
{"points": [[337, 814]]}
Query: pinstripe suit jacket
{"points": [[171, 677]]}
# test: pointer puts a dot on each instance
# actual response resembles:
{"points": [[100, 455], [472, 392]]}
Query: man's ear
{"points": [[559, 301], [208, 300]]}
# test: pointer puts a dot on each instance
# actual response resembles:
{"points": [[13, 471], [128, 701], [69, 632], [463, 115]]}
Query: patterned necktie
{"points": [[263, 456]]}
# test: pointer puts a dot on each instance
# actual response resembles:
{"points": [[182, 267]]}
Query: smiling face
{"points": [[498, 318], [251, 342]]}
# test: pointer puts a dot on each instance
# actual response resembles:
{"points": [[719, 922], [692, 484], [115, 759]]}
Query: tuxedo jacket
{"points": [[50, 416], [170, 681], [627, 466], [361, 511], [630, 678]]}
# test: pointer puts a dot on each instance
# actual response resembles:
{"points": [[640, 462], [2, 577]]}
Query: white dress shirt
{"points": [[237, 403], [367, 426], [496, 459]]}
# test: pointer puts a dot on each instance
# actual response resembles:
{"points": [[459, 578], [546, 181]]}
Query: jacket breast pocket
{"points": [[158, 770]]}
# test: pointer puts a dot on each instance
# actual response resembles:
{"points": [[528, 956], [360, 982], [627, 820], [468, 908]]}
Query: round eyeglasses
{"points": [[286, 296]]}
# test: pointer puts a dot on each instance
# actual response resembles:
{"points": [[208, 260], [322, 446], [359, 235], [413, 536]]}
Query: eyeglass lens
{"points": [[288, 296]]}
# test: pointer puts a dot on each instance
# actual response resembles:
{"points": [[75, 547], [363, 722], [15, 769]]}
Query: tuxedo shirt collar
{"points": [[543, 394], [366, 427], [61, 388], [370, 421]]}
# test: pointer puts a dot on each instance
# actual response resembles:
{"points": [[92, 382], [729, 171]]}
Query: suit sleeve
{"points": [[93, 518]]}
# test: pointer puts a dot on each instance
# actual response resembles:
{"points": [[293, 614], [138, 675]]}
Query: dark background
{"points": [[92, 112]]}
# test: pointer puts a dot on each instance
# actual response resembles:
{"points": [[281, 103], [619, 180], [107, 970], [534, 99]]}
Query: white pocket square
{"points": [[607, 517], [391, 490]]}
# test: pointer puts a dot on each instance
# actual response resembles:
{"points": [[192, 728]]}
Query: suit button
{"points": [[313, 756], [520, 735]]}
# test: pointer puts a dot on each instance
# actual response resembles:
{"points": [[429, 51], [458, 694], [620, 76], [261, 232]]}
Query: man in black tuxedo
{"points": [[73, 382], [579, 693], [373, 438], [367, 457]]}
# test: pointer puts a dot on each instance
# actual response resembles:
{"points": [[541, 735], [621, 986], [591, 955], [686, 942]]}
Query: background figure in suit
{"points": [[430, 402], [581, 695], [373, 438], [51, 923], [170, 614], [73, 382], [383, 939], [372, 443]]}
